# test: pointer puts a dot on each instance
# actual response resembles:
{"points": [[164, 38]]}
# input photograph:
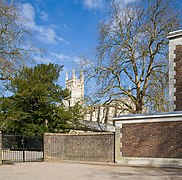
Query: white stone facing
{"points": [[174, 106], [119, 123], [121, 135], [174, 91], [150, 162], [174, 98], [148, 116], [163, 117], [174, 81], [175, 38]]}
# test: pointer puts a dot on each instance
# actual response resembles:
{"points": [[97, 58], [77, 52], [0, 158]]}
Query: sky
{"points": [[67, 29]]}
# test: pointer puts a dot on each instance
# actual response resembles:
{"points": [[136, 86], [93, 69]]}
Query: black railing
{"points": [[20, 148]]}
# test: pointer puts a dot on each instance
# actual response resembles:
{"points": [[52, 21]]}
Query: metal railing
{"points": [[21, 148]]}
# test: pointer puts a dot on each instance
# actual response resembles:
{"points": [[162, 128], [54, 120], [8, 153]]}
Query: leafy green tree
{"points": [[37, 103]]}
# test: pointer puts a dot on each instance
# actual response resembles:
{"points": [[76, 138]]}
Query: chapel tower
{"points": [[76, 87]]}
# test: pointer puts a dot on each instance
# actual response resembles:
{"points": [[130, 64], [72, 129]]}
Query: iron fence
{"points": [[21, 148]]}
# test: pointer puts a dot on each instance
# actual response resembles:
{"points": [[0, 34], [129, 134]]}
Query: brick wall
{"points": [[178, 78], [152, 139], [95, 147]]}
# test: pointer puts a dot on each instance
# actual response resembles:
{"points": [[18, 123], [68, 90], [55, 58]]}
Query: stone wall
{"points": [[95, 147]]}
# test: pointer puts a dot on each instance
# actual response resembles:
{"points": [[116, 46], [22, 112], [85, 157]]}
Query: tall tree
{"points": [[37, 103], [15, 43], [131, 65]]}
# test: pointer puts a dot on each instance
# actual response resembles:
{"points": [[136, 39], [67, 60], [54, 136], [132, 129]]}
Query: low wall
{"points": [[154, 140], [95, 147]]}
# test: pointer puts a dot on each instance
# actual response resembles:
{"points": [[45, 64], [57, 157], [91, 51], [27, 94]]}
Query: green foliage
{"points": [[37, 103]]}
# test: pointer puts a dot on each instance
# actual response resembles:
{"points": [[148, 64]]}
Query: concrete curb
{"points": [[111, 164]]}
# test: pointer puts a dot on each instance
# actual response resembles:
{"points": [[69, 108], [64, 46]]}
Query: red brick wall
{"points": [[154, 140], [95, 147], [178, 77]]}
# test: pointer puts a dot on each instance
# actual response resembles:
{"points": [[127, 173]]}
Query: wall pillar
{"points": [[175, 70], [117, 145]]}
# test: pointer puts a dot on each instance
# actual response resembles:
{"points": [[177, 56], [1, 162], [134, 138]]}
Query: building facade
{"points": [[175, 71], [92, 113], [76, 87]]}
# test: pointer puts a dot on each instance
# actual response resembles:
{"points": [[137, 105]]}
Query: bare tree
{"points": [[131, 63], [15, 44]]}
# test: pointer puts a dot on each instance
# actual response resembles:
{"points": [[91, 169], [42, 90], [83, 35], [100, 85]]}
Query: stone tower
{"points": [[175, 71], [76, 87]]}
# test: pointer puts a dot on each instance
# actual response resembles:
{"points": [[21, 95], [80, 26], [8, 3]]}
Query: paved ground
{"points": [[76, 171]]}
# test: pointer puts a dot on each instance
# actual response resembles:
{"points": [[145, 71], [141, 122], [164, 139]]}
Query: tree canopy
{"points": [[37, 103], [131, 68]]}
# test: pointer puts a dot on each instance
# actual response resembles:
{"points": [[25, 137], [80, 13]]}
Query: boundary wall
{"points": [[94, 147]]}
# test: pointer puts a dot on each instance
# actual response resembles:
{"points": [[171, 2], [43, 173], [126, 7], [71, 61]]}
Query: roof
{"points": [[175, 34], [147, 116]]}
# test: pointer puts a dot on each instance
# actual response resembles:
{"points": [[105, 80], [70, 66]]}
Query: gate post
{"points": [[23, 143], [0, 147]]}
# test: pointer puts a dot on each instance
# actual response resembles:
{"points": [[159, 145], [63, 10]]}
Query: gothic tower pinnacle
{"points": [[76, 88]]}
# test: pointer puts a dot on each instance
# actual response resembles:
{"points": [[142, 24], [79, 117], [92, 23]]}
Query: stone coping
{"points": [[82, 134], [148, 116], [175, 34]]}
